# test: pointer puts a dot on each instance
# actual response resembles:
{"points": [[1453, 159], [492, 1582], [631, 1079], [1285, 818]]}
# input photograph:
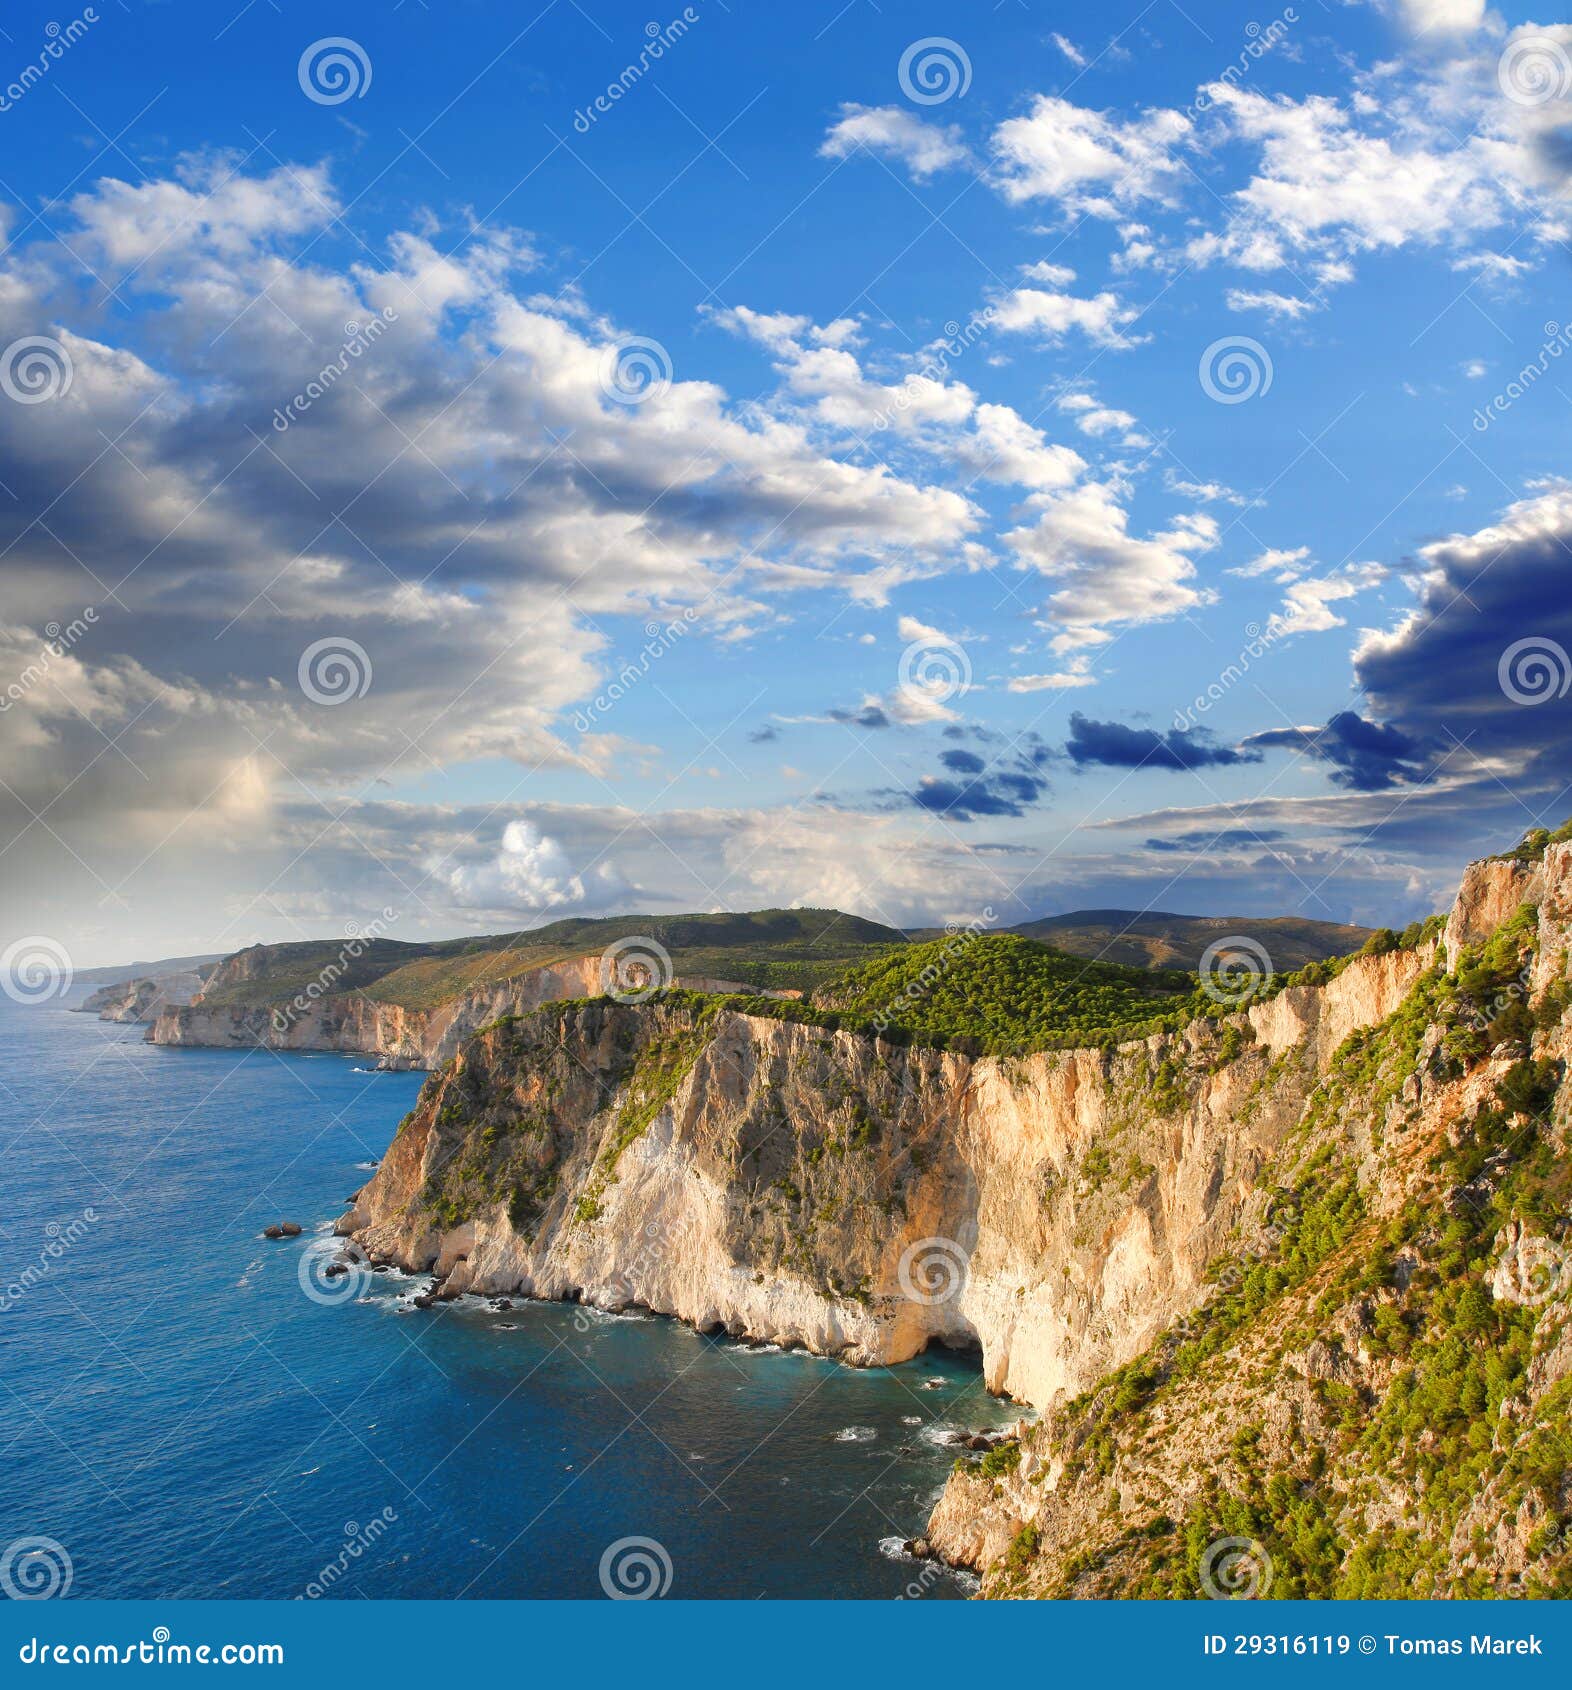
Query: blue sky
{"points": [[1021, 377]]}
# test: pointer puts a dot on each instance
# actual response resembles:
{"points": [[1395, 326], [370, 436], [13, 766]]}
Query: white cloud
{"points": [[1282, 565], [530, 875], [893, 132], [1307, 603], [1081, 539], [1089, 162], [1273, 304], [1442, 17], [1052, 316], [1069, 49], [1097, 419]]}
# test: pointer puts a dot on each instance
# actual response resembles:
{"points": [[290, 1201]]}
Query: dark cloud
{"points": [[1008, 787], [1115, 746], [868, 716], [1365, 756], [766, 735]]}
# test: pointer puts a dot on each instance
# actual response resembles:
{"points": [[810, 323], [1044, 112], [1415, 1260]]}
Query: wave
{"points": [[856, 1435]]}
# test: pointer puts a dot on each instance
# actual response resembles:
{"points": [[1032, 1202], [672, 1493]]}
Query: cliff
{"points": [[1290, 1278], [852, 1195], [141, 1000], [1370, 1396], [398, 1035]]}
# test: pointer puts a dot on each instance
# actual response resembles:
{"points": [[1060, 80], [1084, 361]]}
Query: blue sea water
{"points": [[187, 1421]]}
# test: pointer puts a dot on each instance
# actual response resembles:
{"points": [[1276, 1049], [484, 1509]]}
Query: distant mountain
{"points": [[146, 970], [1160, 939]]}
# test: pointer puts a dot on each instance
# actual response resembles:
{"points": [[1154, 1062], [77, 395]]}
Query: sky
{"points": [[489, 464]]}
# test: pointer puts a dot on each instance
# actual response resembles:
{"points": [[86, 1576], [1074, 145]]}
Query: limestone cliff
{"points": [[1371, 1395], [1294, 1277], [396, 1034], [853, 1195], [143, 1000]]}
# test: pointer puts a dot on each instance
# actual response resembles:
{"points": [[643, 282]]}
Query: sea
{"points": [[194, 1410]]}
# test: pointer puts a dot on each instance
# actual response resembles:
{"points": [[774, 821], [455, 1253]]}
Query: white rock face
{"points": [[1062, 1218]]}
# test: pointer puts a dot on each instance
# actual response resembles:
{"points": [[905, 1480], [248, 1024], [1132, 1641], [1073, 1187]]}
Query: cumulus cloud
{"points": [[1089, 162], [893, 132], [1081, 539], [531, 875]]}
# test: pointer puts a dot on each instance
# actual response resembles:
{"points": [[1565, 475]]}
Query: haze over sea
{"points": [[186, 1420]]}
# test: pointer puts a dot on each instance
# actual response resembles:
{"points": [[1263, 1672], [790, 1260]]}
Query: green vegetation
{"points": [[1432, 1428], [1003, 995]]}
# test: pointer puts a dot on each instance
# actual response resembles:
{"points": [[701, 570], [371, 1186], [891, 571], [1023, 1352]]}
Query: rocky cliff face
{"points": [[851, 1195], [138, 1001], [1371, 1395], [1294, 1279], [396, 1035]]}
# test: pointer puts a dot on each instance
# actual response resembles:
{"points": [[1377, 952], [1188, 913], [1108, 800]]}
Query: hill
{"points": [[1160, 939], [1004, 993]]}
